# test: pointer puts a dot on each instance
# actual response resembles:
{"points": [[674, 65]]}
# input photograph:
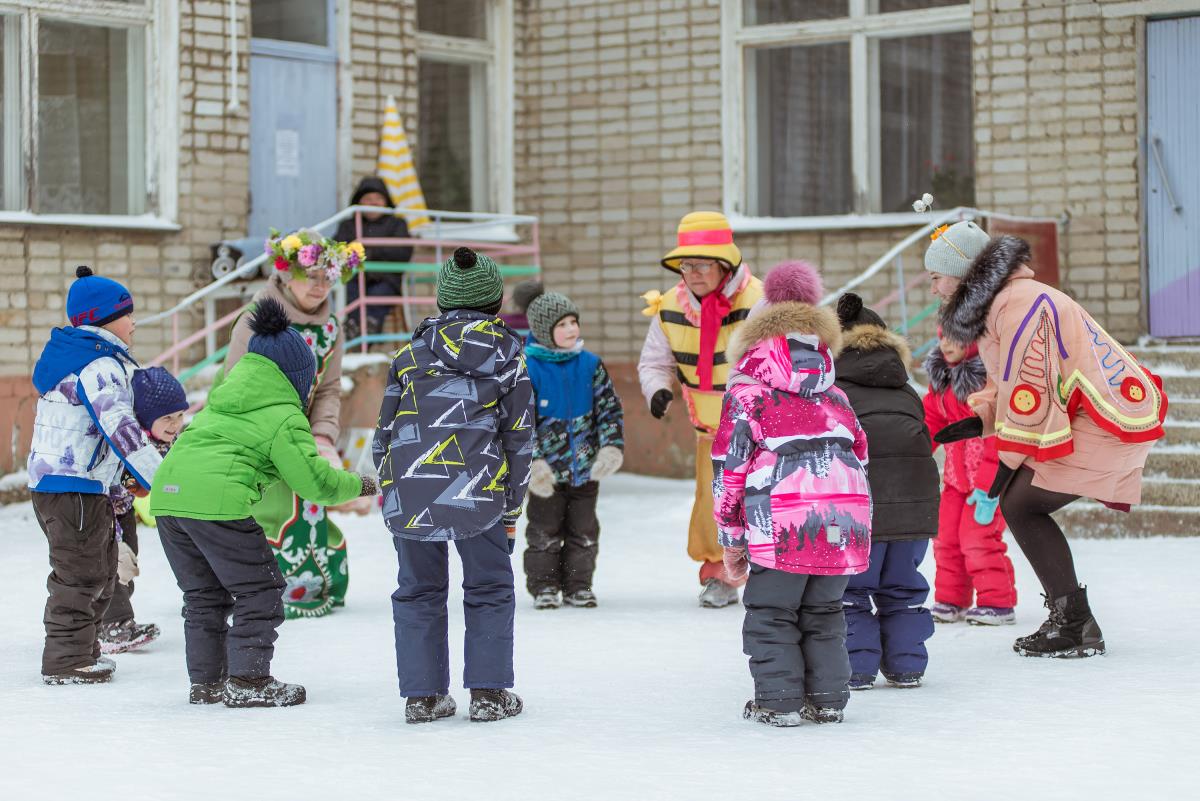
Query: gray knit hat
{"points": [[469, 280], [546, 311], [955, 249]]}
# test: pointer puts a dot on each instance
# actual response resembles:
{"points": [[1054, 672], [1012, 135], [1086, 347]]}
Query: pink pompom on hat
{"points": [[795, 282]]}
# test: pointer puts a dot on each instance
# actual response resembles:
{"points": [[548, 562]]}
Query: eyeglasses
{"points": [[698, 267]]}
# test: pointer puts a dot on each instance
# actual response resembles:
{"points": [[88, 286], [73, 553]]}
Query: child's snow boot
{"points": [[822, 714], [429, 708], [213, 693], [861, 681], [1071, 631], [494, 704], [126, 636], [717, 594], [98, 673], [582, 599], [769, 717], [947, 613], [991, 616], [546, 599], [905, 681], [265, 691]]}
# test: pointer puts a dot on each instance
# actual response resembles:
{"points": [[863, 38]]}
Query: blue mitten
{"points": [[985, 507]]}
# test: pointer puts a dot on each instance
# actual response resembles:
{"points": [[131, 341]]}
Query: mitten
{"points": [[510, 528], [985, 507], [737, 565], [660, 402], [1004, 474], [541, 479], [370, 487], [608, 461], [127, 563], [135, 489], [969, 428]]}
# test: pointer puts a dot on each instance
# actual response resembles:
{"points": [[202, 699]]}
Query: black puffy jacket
{"points": [[872, 371], [388, 226]]}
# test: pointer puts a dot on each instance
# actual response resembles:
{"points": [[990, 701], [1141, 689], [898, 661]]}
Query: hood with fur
{"points": [[874, 356], [964, 316], [963, 378], [788, 347]]}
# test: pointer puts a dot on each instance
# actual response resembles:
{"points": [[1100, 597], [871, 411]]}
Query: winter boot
{"points": [[127, 636], [266, 691], [207, 693], [947, 613], [1071, 631], [991, 616], [822, 714], [429, 708], [98, 673], [769, 717], [546, 599], [489, 704], [1042, 629], [905, 681], [582, 599], [717, 594], [861, 681]]}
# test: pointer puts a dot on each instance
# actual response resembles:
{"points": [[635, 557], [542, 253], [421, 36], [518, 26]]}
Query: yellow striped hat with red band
{"points": [[704, 235]]}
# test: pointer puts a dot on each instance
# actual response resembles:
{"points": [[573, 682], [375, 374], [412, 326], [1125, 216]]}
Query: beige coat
{"points": [[324, 409]]}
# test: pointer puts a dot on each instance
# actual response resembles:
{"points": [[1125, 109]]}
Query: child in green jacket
{"points": [[252, 433]]}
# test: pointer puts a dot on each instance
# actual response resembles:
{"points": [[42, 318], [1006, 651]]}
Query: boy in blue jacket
{"points": [[579, 442], [85, 435]]}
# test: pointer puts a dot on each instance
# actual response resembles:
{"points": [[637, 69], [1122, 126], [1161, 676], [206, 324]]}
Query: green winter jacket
{"points": [[251, 434]]}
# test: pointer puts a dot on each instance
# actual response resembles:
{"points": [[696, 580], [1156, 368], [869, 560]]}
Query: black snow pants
{"points": [[562, 536]]}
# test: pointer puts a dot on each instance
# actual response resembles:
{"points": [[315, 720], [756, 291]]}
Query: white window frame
{"points": [[493, 96], [160, 70], [738, 39]]}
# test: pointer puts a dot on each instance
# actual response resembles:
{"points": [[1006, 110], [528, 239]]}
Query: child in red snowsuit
{"points": [[969, 550]]}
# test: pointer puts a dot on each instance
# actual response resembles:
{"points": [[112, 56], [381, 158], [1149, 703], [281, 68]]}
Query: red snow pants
{"points": [[971, 559]]}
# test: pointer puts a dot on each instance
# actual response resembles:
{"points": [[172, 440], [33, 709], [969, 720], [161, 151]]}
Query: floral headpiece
{"points": [[306, 251]]}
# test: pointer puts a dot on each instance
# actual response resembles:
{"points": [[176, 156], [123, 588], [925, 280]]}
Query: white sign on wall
{"points": [[287, 153]]}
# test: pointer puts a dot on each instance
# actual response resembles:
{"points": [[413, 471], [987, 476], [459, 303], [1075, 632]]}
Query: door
{"points": [[1173, 176], [293, 115]]}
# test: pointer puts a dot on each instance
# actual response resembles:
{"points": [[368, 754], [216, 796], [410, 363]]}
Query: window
{"points": [[847, 106], [301, 21], [75, 84], [464, 119]]}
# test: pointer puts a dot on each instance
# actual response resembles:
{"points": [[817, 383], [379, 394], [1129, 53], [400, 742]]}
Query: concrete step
{"points": [[1181, 384], [1163, 356], [1183, 410], [1173, 460], [1181, 432], [1088, 520], [1160, 490]]}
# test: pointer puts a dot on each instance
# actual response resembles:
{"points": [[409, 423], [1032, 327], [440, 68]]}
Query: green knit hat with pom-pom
{"points": [[469, 280]]}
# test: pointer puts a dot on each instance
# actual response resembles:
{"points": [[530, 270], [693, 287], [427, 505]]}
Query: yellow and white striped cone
{"points": [[395, 166]]}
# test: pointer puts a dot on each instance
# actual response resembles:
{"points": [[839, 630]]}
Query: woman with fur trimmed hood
{"points": [[791, 501], [1073, 412], [873, 372]]}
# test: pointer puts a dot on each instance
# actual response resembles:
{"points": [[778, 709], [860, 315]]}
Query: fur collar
{"points": [[780, 319], [964, 316], [873, 337], [963, 379]]}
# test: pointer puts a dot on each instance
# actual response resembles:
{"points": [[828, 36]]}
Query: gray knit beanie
{"points": [[469, 280], [546, 311], [955, 249]]}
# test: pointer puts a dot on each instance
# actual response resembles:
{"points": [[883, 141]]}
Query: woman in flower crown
{"points": [[310, 549]]}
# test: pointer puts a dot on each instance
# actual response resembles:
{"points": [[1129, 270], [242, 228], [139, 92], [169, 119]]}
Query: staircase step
{"points": [[1159, 490], [1182, 432], [1180, 384], [1173, 460], [1182, 410], [1088, 520], [1162, 356]]}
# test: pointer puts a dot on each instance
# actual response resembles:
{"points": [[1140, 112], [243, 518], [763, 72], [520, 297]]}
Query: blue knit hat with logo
{"points": [[275, 339], [156, 393], [97, 301]]}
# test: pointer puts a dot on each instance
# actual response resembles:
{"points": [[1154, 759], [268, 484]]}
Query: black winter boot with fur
{"points": [[428, 708], [489, 704], [1071, 631]]}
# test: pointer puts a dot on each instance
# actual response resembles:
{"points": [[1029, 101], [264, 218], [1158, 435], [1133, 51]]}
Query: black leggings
{"points": [[1027, 511]]}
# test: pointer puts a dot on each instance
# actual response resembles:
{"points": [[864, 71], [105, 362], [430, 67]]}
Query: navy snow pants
{"points": [[892, 637]]}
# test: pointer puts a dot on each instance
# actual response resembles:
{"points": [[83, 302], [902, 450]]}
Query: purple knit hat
{"points": [[793, 281]]}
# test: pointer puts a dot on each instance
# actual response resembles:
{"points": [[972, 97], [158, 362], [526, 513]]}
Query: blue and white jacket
{"points": [[85, 433], [578, 411]]}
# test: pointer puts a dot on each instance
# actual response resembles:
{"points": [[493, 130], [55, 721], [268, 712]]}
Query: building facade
{"points": [[137, 134]]}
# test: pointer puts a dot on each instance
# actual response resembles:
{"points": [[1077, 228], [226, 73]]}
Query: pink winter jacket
{"points": [[790, 457]]}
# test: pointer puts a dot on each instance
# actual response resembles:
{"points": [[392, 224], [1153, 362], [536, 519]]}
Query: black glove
{"points": [[659, 403], [964, 429], [1004, 474]]}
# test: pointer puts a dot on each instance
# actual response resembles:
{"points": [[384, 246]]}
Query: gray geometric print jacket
{"points": [[455, 435]]}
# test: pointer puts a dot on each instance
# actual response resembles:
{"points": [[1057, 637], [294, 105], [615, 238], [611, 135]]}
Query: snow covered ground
{"points": [[638, 699]]}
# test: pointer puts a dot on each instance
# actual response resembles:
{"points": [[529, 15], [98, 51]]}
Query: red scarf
{"points": [[713, 308]]}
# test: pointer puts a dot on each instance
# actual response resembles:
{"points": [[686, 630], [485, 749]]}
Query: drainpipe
{"points": [[235, 102]]}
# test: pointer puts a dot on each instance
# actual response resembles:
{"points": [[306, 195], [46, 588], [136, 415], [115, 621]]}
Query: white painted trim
{"points": [[458, 48], [733, 121], [12, 194], [163, 138], [860, 113], [833, 222], [97, 12], [504, 114], [921, 22], [141, 222], [345, 101], [1147, 8]]}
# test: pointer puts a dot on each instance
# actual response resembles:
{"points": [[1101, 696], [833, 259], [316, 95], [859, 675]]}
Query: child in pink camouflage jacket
{"points": [[793, 507]]}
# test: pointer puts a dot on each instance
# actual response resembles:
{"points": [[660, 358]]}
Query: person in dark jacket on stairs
{"points": [[872, 370]]}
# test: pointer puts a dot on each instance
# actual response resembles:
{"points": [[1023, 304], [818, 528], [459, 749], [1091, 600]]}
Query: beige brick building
{"points": [[813, 124]]}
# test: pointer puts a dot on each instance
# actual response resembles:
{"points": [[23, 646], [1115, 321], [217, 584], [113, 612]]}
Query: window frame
{"points": [[159, 66], [494, 97], [858, 29]]}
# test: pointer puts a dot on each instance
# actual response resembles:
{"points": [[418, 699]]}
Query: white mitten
{"points": [[127, 566], [541, 479], [608, 461]]}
